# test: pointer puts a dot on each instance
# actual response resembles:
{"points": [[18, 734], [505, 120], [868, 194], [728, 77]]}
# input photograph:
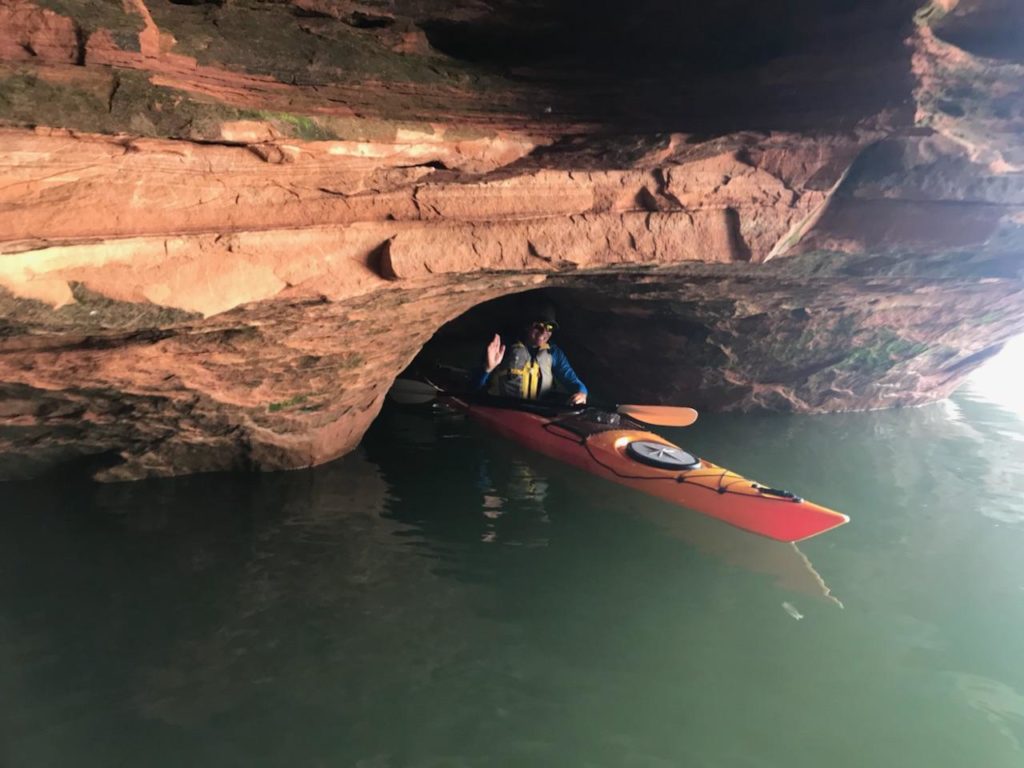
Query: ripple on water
{"points": [[1002, 705]]}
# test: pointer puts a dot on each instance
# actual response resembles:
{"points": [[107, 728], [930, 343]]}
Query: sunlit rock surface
{"points": [[226, 228]]}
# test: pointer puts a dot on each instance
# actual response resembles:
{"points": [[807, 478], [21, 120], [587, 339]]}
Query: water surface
{"points": [[441, 598]]}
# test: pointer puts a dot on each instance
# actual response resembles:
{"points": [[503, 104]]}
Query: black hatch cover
{"points": [[661, 455]]}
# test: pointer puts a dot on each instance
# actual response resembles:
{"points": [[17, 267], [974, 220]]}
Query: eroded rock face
{"points": [[224, 230]]}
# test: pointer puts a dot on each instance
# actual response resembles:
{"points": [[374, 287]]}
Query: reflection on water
{"points": [[522, 483], [441, 597], [788, 566], [1003, 706]]}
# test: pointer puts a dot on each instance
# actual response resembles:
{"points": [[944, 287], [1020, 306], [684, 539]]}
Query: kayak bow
{"points": [[620, 449]]}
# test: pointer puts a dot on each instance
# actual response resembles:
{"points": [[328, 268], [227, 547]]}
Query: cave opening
{"points": [[717, 341], [622, 347]]}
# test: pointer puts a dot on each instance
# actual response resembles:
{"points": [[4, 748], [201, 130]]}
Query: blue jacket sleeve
{"points": [[478, 379], [564, 373]]}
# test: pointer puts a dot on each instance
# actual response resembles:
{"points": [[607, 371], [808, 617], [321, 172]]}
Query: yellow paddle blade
{"points": [[662, 415]]}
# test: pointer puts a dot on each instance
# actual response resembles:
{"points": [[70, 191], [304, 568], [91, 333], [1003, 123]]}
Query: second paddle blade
{"points": [[662, 415]]}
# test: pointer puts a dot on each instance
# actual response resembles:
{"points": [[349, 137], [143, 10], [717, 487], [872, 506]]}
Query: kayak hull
{"points": [[597, 442]]}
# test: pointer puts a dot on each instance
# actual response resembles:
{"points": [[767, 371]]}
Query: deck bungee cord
{"points": [[614, 442], [684, 476]]}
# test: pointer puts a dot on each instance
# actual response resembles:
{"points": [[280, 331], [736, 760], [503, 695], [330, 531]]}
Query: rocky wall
{"points": [[226, 228]]}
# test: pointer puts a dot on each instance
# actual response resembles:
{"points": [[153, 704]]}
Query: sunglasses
{"points": [[549, 327]]}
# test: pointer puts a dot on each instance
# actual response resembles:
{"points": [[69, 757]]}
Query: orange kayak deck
{"points": [[600, 443]]}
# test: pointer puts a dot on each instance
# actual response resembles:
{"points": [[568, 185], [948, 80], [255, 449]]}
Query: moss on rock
{"points": [[880, 353], [28, 98], [91, 15], [267, 38]]}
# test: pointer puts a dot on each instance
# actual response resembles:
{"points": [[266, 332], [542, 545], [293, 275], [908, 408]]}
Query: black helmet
{"points": [[544, 313]]}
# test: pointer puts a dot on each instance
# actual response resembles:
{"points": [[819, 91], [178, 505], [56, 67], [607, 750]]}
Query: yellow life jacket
{"points": [[524, 375]]}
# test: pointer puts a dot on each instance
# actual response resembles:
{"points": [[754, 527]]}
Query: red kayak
{"points": [[622, 450]]}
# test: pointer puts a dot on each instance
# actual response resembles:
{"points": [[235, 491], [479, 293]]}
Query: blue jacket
{"points": [[564, 374]]}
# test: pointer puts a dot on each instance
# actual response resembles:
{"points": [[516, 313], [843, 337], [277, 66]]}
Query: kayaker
{"points": [[532, 365]]}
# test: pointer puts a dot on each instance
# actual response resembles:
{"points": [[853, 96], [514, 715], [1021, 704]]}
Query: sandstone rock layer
{"points": [[225, 230]]}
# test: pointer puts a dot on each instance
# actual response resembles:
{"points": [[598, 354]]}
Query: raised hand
{"points": [[495, 353]]}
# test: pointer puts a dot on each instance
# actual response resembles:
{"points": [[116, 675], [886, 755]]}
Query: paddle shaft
{"points": [[413, 392]]}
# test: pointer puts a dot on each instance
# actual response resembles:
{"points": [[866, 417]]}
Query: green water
{"points": [[441, 598]]}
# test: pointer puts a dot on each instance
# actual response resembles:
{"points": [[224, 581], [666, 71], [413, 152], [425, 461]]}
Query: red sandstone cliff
{"points": [[224, 230]]}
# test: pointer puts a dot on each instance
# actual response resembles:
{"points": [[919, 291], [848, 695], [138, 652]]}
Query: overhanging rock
{"points": [[215, 255]]}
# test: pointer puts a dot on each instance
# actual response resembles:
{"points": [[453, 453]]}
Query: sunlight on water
{"points": [[1000, 380]]}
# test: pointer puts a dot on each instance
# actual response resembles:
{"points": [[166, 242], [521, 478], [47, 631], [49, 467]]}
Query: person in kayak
{"points": [[531, 367]]}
